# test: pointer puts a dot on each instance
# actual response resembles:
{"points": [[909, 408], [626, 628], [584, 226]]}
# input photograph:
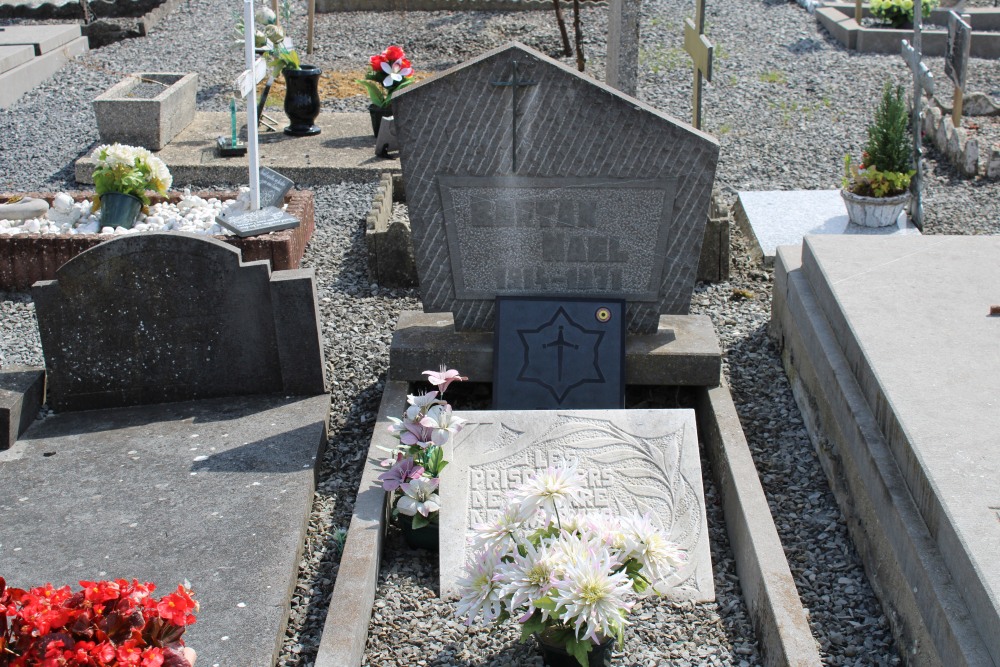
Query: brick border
{"points": [[27, 258]]}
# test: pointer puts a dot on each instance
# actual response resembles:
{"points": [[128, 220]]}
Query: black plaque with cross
{"points": [[558, 353], [514, 84]]}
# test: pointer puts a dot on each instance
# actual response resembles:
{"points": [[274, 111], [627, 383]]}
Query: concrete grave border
{"points": [[957, 146], [150, 122], [779, 619], [440, 5], [838, 19], [27, 258]]}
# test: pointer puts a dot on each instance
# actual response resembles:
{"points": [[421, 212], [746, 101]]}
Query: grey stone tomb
{"points": [[635, 460], [154, 318], [559, 353], [510, 195]]}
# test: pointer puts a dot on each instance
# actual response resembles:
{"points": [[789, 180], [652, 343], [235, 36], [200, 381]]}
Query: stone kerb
{"points": [[27, 258], [608, 201], [439, 5], [148, 121], [164, 317], [961, 150]]}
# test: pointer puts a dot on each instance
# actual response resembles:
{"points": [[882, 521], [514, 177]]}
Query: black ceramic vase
{"points": [[419, 538], [302, 100], [377, 114]]}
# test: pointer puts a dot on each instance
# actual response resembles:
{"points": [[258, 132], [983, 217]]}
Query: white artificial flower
{"points": [[162, 180], [658, 556], [525, 578], [443, 423], [419, 404], [500, 533], [551, 487], [591, 598], [419, 497], [481, 594]]}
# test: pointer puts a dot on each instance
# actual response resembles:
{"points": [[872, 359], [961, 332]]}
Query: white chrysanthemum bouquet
{"points": [[129, 170], [570, 577]]}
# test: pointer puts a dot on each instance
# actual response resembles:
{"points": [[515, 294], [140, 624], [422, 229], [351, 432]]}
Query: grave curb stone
{"points": [[777, 614], [684, 351], [17, 81], [148, 122], [22, 393], [929, 615], [28, 258]]}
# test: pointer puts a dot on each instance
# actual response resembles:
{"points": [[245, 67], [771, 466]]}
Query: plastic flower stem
{"points": [[556, 508]]}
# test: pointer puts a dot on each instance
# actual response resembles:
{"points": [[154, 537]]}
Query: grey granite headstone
{"points": [[622, 68], [526, 178], [559, 353], [635, 460], [155, 318]]}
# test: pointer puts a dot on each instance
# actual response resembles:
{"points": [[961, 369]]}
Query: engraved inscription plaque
{"points": [[559, 354], [544, 236], [635, 460]]}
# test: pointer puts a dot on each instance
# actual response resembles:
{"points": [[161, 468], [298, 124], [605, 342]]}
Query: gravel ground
{"points": [[786, 103]]}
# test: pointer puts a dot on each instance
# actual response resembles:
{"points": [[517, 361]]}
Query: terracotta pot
{"points": [[874, 211]]}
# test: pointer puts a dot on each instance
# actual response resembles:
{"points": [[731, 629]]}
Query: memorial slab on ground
{"points": [[509, 196], [895, 364], [771, 218], [49, 47], [215, 492], [343, 151], [635, 461]]}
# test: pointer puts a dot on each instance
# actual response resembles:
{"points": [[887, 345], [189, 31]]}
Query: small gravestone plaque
{"points": [[559, 353], [642, 461], [273, 187], [251, 223]]}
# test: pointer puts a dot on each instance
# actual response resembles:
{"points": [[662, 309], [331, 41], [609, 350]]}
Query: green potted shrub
{"points": [[877, 190]]}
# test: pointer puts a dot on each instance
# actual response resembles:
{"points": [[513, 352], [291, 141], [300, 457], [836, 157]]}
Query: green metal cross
{"points": [[700, 49]]}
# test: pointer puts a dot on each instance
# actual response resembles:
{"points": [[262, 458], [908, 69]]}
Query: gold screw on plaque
{"points": [[603, 315]]}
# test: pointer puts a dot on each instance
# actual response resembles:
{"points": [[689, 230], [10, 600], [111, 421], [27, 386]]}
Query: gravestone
{"points": [[623, 45], [634, 460], [559, 353], [155, 318], [510, 194], [956, 60]]}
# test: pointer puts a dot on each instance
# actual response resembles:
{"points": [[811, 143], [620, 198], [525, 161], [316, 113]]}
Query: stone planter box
{"points": [[27, 258], [838, 19], [143, 113]]}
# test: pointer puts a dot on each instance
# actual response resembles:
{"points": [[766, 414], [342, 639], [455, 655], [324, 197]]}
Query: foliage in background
{"points": [[390, 71], [128, 170], [899, 12], [270, 39]]}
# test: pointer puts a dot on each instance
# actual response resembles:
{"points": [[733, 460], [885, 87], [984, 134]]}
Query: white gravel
{"points": [[786, 103]]}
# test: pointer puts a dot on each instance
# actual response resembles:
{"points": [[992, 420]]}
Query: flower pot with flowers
{"points": [[567, 577], [105, 623], [899, 13], [876, 191], [121, 179], [415, 468], [388, 73]]}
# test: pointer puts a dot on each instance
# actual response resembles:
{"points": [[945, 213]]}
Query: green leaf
{"points": [[532, 625], [545, 602], [419, 521], [579, 649], [374, 91]]}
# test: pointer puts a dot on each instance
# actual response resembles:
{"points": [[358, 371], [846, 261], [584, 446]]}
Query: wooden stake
{"points": [[312, 20], [562, 29], [578, 36], [858, 13], [956, 108]]}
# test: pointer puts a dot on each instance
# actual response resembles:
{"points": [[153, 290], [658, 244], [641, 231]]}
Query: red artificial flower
{"points": [[404, 63], [152, 657], [393, 53], [176, 607], [376, 62], [101, 591]]}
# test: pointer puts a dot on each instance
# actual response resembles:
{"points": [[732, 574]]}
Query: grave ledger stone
{"points": [[526, 178], [154, 318], [642, 461]]}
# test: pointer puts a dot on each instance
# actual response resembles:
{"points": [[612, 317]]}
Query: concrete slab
{"points": [[907, 438], [684, 351], [22, 392], [43, 38], [343, 151], [19, 80], [14, 55], [217, 492], [770, 218]]}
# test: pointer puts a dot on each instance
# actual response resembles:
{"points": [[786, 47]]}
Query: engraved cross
{"points": [[559, 343], [514, 83]]}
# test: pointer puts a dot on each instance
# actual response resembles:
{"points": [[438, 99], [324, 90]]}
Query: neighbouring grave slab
{"points": [[14, 55], [771, 218], [21, 78], [27, 258], [507, 196], [216, 492], [43, 38], [341, 152], [908, 437], [22, 392], [559, 354], [170, 316], [635, 461]]}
